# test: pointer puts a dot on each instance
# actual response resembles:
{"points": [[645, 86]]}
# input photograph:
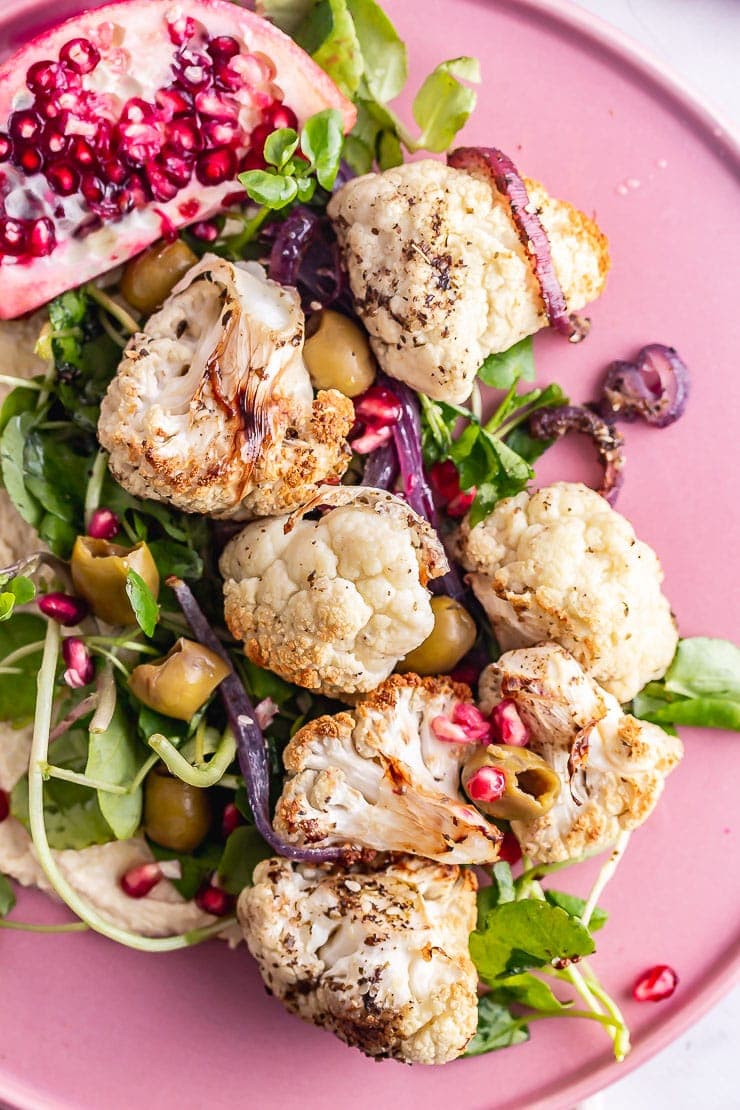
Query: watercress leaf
{"points": [[22, 589], [504, 881], [71, 812], [521, 935], [389, 152], [288, 15], [58, 535], [514, 466], [306, 187], [500, 371], [358, 156], [575, 906], [176, 558], [114, 757], [244, 850], [339, 53], [383, 52], [270, 189], [7, 605], [18, 691], [195, 867], [497, 1028], [12, 450], [704, 665], [149, 722], [56, 474], [487, 494], [527, 990], [695, 712], [264, 684], [443, 104], [525, 445], [280, 146], [142, 601], [7, 895], [19, 400], [322, 139]]}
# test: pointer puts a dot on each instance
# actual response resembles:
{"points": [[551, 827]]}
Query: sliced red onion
{"points": [[554, 423], [381, 468], [655, 387], [251, 746], [504, 176], [305, 254]]}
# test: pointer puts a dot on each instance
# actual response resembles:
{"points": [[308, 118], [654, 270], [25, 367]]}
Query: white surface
{"points": [[700, 40]]}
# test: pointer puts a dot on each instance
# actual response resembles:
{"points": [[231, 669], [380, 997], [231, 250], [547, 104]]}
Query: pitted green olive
{"points": [[179, 683], [176, 815], [149, 278], [531, 785], [99, 572], [452, 637], [337, 354]]}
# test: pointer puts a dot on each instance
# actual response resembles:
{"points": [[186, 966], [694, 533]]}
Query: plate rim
{"points": [[723, 136]]}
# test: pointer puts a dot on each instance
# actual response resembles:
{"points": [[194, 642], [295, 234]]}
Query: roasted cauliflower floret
{"points": [[560, 564], [333, 604], [379, 778], [612, 766], [212, 409], [378, 955], [440, 277]]}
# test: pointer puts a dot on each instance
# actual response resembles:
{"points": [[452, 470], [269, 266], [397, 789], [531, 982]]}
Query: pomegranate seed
{"points": [[4, 806], [53, 141], [444, 729], [223, 47], [181, 29], [508, 727], [216, 166], [80, 55], [472, 722], [214, 901], [139, 880], [104, 525], [6, 147], [656, 984], [460, 504], [184, 137], [162, 188], [378, 407], [12, 236], [444, 480], [63, 608], [205, 231], [510, 849], [43, 77], [136, 110], [371, 440], [487, 784], [231, 820], [226, 75], [221, 132], [113, 172], [467, 673], [173, 102], [282, 116], [92, 189], [80, 668], [81, 153], [29, 160], [209, 103], [194, 69], [25, 126], [178, 169], [42, 238]]}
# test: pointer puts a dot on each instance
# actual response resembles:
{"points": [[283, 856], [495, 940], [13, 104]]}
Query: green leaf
{"points": [[501, 890], [71, 812], [288, 15], [502, 370], [383, 52], [18, 401], [143, 603], [20, 590], [176, 558], [12, 450], [575, 906], [7, 896], [497, 1028], [442, 104], [705, 666], [244, 850], [114, 757], [280, 146], [270, 189], [18, 691], [339, 53], [530, 933], [527, 990], [389, 152], [693, 712], [196, 867], [264, 684], [322, 139], [56, 474]]}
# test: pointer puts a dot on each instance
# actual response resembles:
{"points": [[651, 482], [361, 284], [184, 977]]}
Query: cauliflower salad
{"points": [[294, 651]]}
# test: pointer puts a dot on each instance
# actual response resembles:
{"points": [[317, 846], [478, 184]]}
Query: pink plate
{"points": [[86, 1024]]}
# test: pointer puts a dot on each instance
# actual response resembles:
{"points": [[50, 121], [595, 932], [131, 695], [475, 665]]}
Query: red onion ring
{"points": [[554, 423], [250, 743], [305, 254], [655, 387], [501, 172]]}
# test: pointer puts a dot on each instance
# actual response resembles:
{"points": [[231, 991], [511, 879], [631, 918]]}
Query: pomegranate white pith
{"points": [[130, 121]]}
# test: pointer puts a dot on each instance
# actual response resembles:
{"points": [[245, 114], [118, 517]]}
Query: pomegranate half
{"points": [[130, 121]]}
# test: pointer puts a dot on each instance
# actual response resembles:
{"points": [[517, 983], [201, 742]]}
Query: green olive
{"points": [[99, 572], [452, 637], [176, 815], [337, 354], [179, 683], [532, 787], [149, 278]]}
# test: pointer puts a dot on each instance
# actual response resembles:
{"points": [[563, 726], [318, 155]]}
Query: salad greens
{"points": [[293, 176], [701, 687]]}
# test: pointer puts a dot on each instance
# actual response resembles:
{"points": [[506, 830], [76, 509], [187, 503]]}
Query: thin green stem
{"points": [[207, 774], [112, 333], [50, 771], [21, 383], [493, 424], [237, 242], [111, 658], [533, 874], [95, 484], [143, 772], [27, 927], [112, 308]]}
